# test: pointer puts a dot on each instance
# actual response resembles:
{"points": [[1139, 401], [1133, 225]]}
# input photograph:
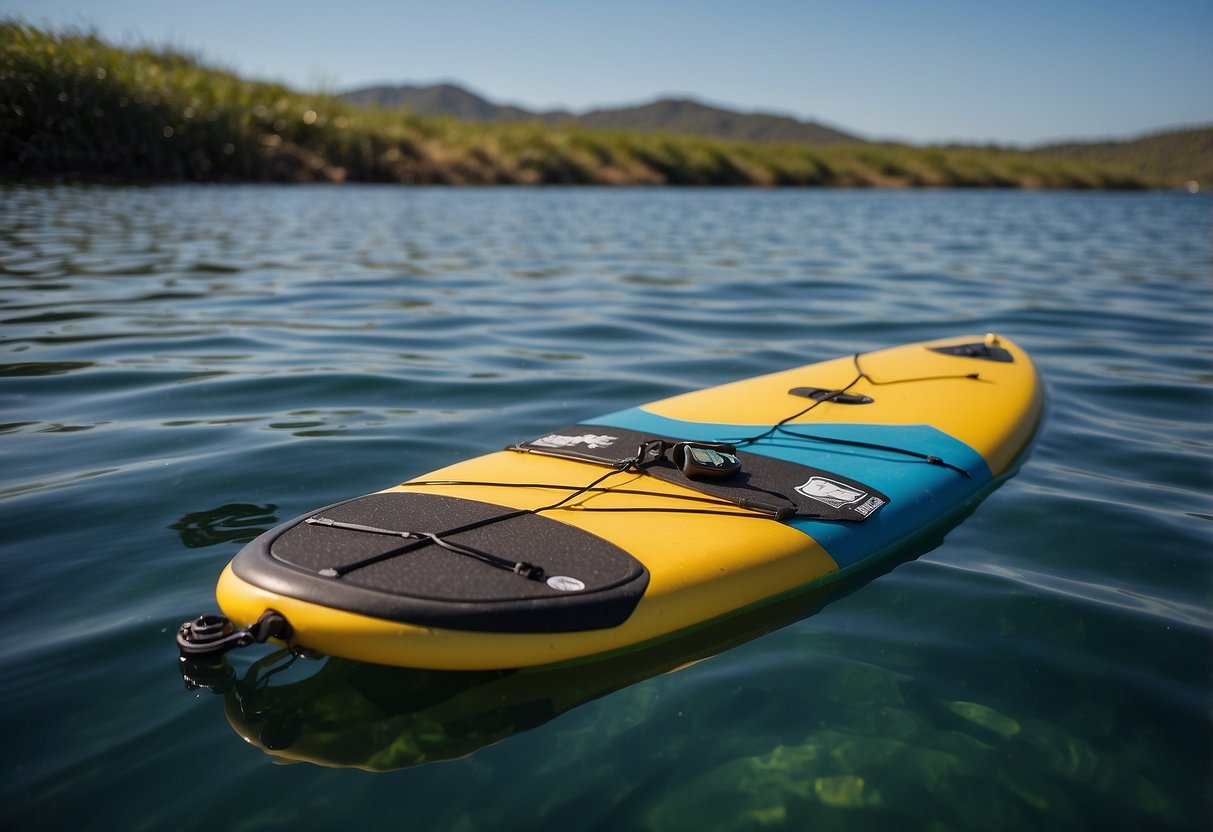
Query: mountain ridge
{"points": [[670, 114]]}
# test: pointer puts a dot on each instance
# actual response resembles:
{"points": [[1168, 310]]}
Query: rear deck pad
{"points": [[588, 582]]}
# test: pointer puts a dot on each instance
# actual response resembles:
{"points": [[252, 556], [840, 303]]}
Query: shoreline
{"points": [[72, 106]]}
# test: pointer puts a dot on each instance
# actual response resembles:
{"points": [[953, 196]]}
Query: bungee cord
{"points": [[636, 464]]}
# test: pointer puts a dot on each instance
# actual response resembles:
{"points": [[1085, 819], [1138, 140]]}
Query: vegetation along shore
{"points": [[73, 105]]}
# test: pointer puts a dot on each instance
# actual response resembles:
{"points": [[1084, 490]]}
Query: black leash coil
{"points": [[213, 634]]}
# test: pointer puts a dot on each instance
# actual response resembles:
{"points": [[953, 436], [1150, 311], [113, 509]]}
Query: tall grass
{"points": [[71, 104]]}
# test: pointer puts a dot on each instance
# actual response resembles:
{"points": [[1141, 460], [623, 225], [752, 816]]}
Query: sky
{"points": [[1020, 72]]}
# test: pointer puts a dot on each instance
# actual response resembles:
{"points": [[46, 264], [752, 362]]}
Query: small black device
{"points": [[706, 461]]}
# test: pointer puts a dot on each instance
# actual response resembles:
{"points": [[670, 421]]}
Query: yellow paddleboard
{"points": [[635, 526]]}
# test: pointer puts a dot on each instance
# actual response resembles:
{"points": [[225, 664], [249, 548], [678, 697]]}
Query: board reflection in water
{"points": [[380, 718]]}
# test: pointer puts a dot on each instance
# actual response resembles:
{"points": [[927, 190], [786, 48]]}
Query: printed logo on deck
{"points": [[870, 506], [592, 441], [836, 494]]}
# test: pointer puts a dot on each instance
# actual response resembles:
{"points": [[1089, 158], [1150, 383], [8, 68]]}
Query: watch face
{"points": [[709, 458], [698, 461]]}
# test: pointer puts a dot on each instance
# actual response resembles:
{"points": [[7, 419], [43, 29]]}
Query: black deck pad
{"points": [[430, 585], [763, 482]]}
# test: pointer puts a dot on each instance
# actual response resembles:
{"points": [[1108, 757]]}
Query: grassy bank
{"points": [[71, 104], [1173, 158]]}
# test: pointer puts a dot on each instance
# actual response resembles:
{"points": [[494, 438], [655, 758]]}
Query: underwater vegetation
{"points": [[884, 744]]}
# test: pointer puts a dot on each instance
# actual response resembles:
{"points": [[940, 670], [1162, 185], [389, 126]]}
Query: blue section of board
{"points": [[919, 492]]}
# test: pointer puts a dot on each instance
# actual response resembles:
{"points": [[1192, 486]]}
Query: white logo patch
{"points": [[834, 493], [870, 506], [565, 584], [591, 441]]}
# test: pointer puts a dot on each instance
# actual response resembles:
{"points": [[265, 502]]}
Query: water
{"points": [[181, 367]]}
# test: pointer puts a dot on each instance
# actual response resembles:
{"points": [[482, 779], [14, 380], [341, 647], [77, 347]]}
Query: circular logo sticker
{"points": [[565, 584]]}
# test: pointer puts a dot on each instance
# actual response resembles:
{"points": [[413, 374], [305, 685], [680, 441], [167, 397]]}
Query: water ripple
{"points": [[179, 363], [1123, 599]]}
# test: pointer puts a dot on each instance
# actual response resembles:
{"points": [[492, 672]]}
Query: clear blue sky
{"points": [[1010, 71]]}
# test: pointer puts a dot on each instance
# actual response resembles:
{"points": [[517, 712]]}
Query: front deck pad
{"points": [[588, 582], [764, 483]]}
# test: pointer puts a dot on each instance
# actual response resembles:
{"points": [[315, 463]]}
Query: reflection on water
{"points": [[41, 368], [353, 714], [231, 523]]}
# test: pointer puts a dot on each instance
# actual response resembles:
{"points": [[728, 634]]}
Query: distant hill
{"points": [[667, 115], [670, 115], [1174, 157], [436, 100]]}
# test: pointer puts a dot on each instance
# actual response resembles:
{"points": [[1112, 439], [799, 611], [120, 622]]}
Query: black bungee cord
{"points": [[636, 463]]}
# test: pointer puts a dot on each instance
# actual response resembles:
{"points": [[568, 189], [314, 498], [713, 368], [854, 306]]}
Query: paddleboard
{"points": [[644, 524]]}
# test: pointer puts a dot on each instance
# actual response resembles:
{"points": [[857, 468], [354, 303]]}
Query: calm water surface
{"points": [[182, 367]]}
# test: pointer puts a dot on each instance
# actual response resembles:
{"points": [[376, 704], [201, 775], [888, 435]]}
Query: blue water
{"points": [[182, 367]]}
